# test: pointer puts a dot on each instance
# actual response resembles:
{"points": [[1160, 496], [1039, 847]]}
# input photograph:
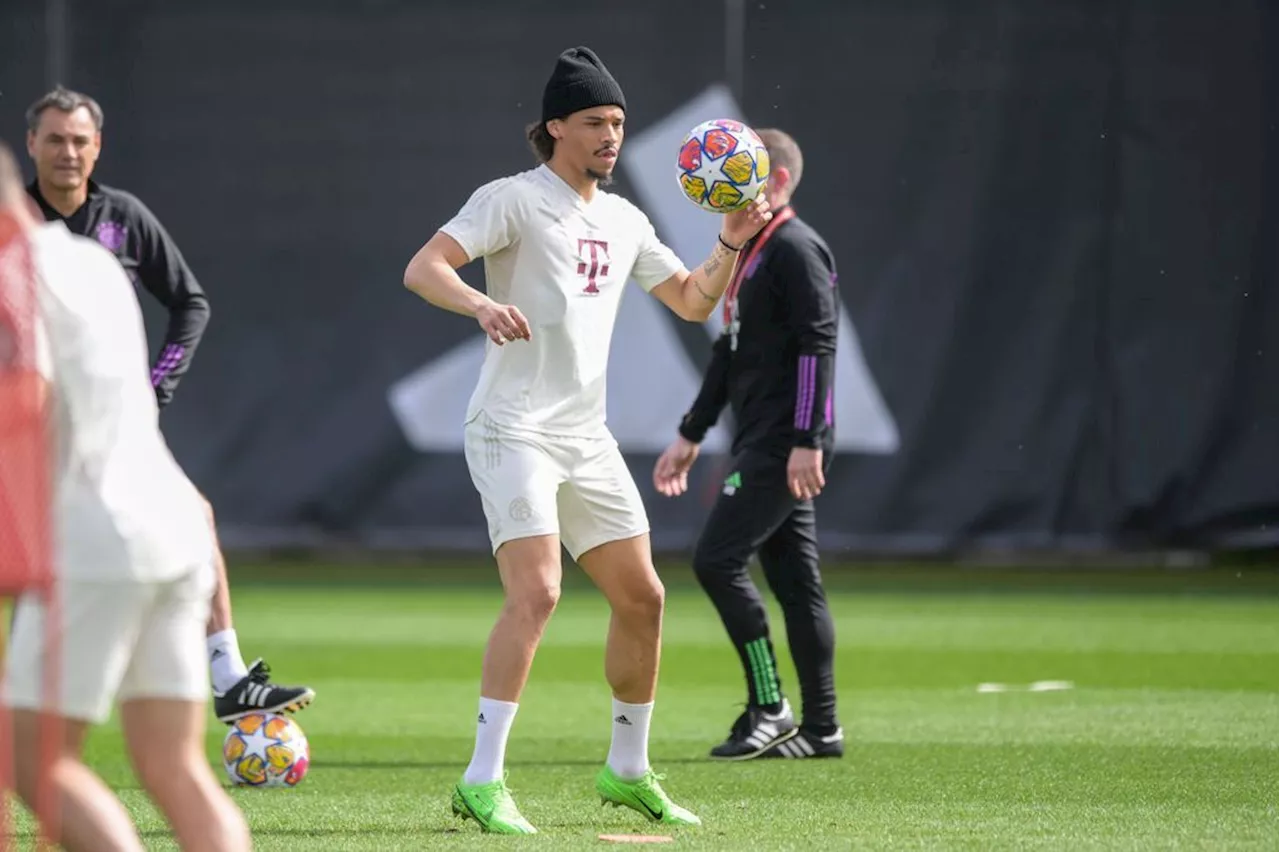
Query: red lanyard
{"points": [[741, 272]]}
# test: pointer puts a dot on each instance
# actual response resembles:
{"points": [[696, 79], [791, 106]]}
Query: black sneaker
{"points": [[755, 732], [808, 744], [255, 693]]}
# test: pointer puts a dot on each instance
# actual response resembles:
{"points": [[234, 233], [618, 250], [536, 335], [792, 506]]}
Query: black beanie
{"points": [[580, 81]]}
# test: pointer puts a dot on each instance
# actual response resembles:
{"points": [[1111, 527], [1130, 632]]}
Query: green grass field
{"points": [[1167, 740]]}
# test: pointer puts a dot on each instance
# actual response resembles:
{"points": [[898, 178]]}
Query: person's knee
{"points": [[530, 570], [785, 589], [532, 595], [27, 765], [712, 564], [793, 582], [644, 601], [160, 769], [534, 602], [30, 747]]}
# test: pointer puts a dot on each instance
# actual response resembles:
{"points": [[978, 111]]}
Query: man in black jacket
{"points": [[64, 139], [774, 365]]}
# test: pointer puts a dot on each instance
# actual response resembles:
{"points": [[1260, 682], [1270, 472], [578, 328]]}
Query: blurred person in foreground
{"points": [[132, 562], [774, 365], [64, 140]]}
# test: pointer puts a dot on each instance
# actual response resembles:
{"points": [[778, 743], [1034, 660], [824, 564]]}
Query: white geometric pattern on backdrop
{"points": [[863, 420], [651, 379]]}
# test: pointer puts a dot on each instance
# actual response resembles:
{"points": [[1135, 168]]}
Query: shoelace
{"points": [[502, 784], [654, 777], [260, 673]]}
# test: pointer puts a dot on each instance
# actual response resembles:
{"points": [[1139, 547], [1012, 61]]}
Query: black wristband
{"points": [[726, 245]]}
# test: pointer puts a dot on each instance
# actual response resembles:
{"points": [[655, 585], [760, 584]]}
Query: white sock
{"points": [[226, 666], [629, 751], [493, 726]]}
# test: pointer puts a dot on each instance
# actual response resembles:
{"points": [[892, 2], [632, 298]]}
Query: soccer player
{"points": [[64, 139], [774, 366], [558, 251], [132, 559]]}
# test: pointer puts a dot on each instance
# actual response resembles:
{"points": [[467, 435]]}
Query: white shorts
{"points": [[578, 488], [118, 641]]}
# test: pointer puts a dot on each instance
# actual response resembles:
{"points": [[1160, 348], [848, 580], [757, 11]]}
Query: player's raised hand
{"points": [[741, 225], [503, 323], [671, 473], [804, 473]]}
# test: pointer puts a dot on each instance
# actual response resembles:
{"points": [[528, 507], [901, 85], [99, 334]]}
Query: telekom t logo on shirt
{"points": [[597, 266]]}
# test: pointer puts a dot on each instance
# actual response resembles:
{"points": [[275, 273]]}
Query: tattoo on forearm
{"points": [[718, 254], [709, 268]]}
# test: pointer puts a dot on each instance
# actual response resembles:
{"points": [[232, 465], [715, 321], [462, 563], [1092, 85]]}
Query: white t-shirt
{"points": [[123, 509], [563, 262]]}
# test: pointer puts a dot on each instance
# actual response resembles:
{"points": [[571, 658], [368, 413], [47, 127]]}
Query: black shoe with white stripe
{"points": [[755, 732], [255, 693], [808, 744]]}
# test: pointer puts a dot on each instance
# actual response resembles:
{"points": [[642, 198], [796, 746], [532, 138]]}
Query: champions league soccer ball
{"points": [[266, 750], [722, 165]]}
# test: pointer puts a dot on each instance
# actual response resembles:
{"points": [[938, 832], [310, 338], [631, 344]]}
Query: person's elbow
{"points": [[823, 343], [693, 305], [417, 274], [441, 254], [194, 309], [699, 310], [681, 296]]}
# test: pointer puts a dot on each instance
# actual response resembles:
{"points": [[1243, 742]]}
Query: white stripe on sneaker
{"points": [[255, 694], [764, 733]]}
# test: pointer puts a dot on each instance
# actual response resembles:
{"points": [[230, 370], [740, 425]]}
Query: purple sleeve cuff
{"points": [[170, 358]]}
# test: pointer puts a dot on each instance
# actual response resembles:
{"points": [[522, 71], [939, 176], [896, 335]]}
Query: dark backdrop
{"points": [[1053, 220]]}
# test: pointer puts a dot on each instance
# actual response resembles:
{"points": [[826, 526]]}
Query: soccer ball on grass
{"points": [[265, 750], [723, 165]]}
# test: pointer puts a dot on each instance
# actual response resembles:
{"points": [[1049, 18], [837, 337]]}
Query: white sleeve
{"points": [[489, 221], [68, 318], [655, 262], [56, 338]]}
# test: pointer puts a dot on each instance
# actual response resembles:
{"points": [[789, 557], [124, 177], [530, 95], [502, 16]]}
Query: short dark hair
{"points": [[63, 100], [783, 151], [541, 141]]}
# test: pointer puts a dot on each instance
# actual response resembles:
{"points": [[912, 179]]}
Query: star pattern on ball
{"points": [[257, 742]]}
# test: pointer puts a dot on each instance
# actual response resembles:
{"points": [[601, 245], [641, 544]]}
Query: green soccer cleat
{"points": [[644, 795], [491, 806]]}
